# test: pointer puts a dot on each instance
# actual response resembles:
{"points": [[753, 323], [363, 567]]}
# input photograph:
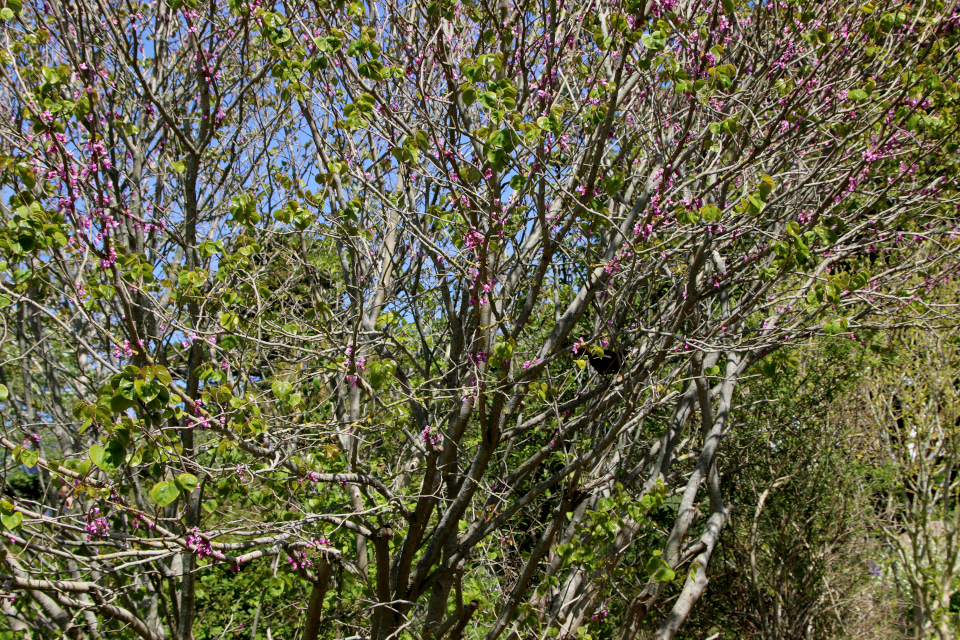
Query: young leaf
{"points": [[29, 457], [164, 493], [11, 521]]}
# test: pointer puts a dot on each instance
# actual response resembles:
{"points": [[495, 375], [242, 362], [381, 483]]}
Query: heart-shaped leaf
{"points": [[281, 389], [29, 457], [275, 587], [188, 481], [108, 458], [119, 404], [97, 454], [664, 574], [162, 374], [710, 213], [12, 521], [164, 493]]}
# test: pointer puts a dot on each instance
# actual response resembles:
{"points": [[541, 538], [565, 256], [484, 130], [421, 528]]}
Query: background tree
{"points": [[803, 555], [915, 399], [426, 312]]}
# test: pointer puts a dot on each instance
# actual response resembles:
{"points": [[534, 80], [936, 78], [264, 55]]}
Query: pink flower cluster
{"points": [[358, 363], [97, 525], [473, 239], [242, 472], [299, 560], [430, 436], [124, 350], [136, 523], [200, 546], [316, 543]]}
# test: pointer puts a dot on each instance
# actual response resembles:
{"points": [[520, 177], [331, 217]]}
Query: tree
{"points": [[915, 400], [434, 303], [801, 556]]}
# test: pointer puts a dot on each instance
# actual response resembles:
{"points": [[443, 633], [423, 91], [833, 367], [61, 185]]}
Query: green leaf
{"points": [[29, 457], [188, 481], [108, 458], [281, 389], [653, 564], [275, 587], [127, 388], [687, 216], [146, 391], [664, 574], [229, 342], [6, 14], [503, 349], [97, 454], [12, 521], [858, 281], [229, 321], [857, 95], [603, 42], [4, 394], [119, 404], [709, 213], [488, 99], [50, 75], [164, 493], [730, 125], [178, 166], [163, 375], [653, 41], [22, 244]]}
